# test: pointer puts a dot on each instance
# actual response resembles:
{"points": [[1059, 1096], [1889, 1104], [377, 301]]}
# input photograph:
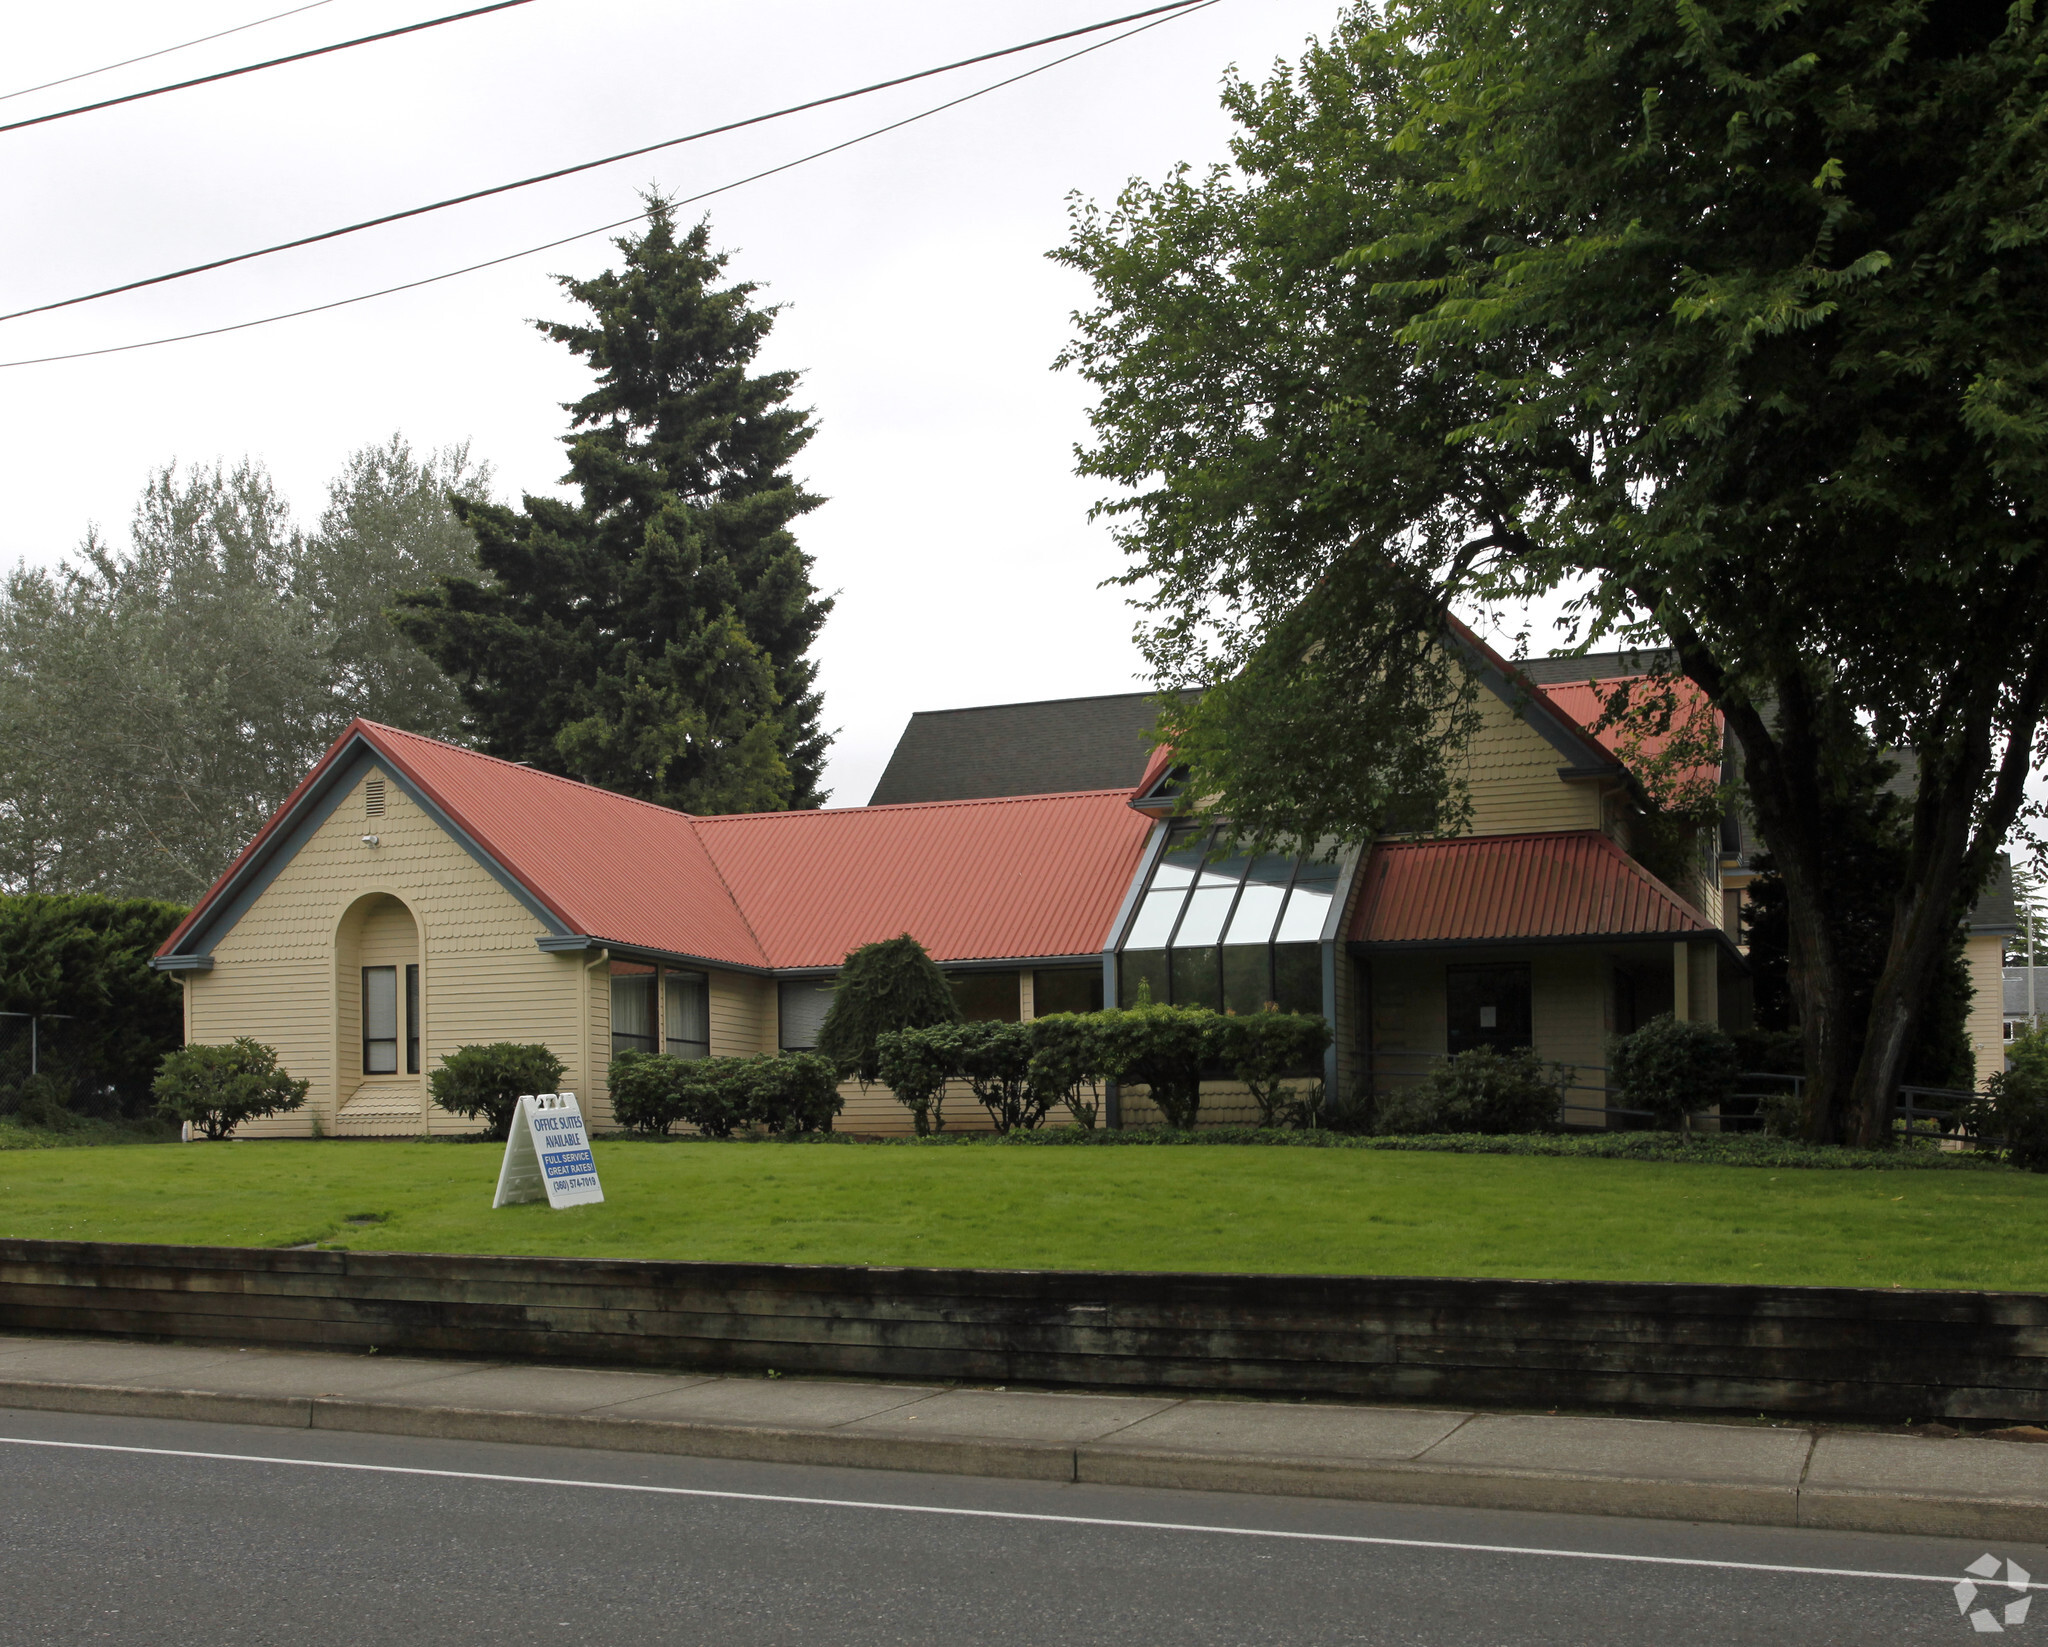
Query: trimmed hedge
{"points": [[1020, 1071], [789, 1094], [1702, 1149]]}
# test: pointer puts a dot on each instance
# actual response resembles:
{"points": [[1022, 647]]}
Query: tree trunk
{"points": [[1782, 773]]}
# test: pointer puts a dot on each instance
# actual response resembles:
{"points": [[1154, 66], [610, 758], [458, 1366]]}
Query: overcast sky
{"points": [[921, 307]]}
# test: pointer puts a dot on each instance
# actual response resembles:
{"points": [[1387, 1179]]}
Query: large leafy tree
{"points": [[654, 636], [158, 699], [390, 525], [1728, 316]]}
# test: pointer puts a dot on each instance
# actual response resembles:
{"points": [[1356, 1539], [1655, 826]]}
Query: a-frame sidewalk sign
{"points": [[548, 1154]]}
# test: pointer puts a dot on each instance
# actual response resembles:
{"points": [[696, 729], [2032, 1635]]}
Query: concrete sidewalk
{"points": [[1785, 1476]]}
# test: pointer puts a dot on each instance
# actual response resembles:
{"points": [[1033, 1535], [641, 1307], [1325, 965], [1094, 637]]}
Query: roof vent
{"points": [[373, 798]]}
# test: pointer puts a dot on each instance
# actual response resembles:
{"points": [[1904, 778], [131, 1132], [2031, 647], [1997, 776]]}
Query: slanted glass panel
{"points": [[688, 1014], [1298, 977], [1197, 977], [1155, 918], [1486, 1006], [1167, 890], [1182, 859], [1208, 908], [1308, 905], [1247, 977], [1224, 871], [1066, 989], [988, 997], [380, 1020], [632, 1007], [1258, 907], [1144, 966]]}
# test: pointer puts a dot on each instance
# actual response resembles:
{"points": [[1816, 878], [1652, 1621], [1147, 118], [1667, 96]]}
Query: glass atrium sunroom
{"points": [[1234, 931]]}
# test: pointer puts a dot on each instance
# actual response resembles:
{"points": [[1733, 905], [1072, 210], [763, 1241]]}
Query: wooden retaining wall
{"points": [[1829, 1352]]}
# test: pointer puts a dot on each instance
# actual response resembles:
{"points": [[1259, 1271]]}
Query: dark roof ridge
{"points": [[905, 806], [1038, 703]]}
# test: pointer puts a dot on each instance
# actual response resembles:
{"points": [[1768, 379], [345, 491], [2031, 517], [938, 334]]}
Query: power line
{"points": [[251, 68], [591, 165], [624, 222], [165, 51]]}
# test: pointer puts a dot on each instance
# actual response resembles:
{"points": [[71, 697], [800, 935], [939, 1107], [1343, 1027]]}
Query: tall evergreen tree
{"points": [[654, 638]]}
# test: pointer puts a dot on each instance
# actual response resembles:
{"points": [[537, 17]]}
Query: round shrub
{"points": [[216, 1089], [647, 1091], [794, 1093], [489, 1081], [1674, 1068], [1479, 1090]]}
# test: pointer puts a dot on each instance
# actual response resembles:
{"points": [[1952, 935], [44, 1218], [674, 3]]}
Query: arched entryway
{"points": [[379, 1015]]}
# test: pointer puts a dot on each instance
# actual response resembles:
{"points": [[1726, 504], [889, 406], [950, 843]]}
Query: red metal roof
{"points": [[970, 880], [1504, 888], [608, 865], [1017, 876], [1586, 702]]}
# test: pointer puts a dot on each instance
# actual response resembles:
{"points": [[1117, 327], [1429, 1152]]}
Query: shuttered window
{"points": [[805, 1002]]}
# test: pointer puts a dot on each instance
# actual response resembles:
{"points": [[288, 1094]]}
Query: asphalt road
{"points": [[121, 1534]]}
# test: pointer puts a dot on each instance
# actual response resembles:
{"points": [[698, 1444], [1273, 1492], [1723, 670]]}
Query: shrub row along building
{"points": [[411, 897]]}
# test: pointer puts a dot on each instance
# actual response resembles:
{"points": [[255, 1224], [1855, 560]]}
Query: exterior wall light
{"points": [[369, 840]]}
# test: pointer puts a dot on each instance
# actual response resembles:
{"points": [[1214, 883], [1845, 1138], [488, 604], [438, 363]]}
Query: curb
{"points": [[1103, 1464]]}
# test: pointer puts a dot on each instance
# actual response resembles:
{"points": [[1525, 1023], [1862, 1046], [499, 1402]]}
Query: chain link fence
{"points": [[52, 1055]]}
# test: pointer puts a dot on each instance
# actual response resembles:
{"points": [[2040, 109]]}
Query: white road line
{"points": [[1006, 1515]]}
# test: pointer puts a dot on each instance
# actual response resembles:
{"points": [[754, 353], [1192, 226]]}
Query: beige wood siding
{"points": [[742, 1008], [1512, 773], [1984, 954], [280, 975]]}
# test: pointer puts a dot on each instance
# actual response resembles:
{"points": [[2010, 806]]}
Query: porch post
{"points": [[1681, 980]]}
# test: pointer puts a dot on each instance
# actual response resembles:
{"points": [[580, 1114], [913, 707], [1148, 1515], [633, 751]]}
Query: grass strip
{"points": [[1344, 1211]]}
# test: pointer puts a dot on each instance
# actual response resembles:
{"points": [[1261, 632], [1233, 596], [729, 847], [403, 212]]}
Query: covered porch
{"points": [[1552, 942]]}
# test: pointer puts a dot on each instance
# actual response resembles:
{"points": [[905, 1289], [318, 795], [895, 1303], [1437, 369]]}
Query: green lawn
{"points": [[1219, 1208]]}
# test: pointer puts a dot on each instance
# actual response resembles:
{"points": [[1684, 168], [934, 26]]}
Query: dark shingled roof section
{"points": [[1594, 666], [1050, 748]]}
